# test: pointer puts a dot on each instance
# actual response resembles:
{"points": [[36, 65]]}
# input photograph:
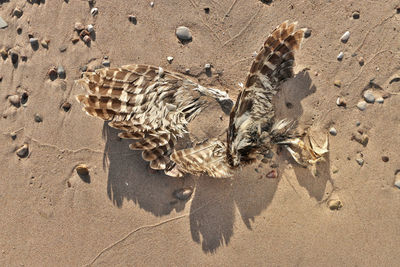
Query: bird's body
{"points": [[154, 107]]}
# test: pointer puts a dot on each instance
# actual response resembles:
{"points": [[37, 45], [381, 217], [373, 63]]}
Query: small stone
{"points": [[23, 151], [34, 42], [362, 105], [333, 131], [94, 11], [183, 193], [398, 9], [4, 53], [61, 72], [14, 57], [45, 44], [207, 66], [79, 26], [337, 83], [341, 102], [82, 169], [356, 15], [187, 71], [132, 19], [183, 33], [87, 39], [369, 96], [385, 158], [272, 174], [361, 61], [3, 24], [17, 12], [380, 100], [152, 4], [75, 39], [345, 37], [38, 118], [52, 73], [106, 63], [207, 10], [13, 135], [170, 59], [15, 100], [66, 106], [360, 161], [397, 179], [358, 123], [340, 56], [90, 28], [62, 48], [307, 33], [335, 170], [335, 204], [24, 98]]}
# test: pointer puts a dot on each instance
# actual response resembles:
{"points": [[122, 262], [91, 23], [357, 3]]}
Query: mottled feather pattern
{"points": [[153, 108], [252, 117]]}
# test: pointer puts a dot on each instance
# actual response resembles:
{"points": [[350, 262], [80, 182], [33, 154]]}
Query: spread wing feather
{"points": [[251, 127], [151, 106]]}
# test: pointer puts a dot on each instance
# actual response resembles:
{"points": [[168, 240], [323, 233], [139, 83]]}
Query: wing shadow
{"points": [[293, 92], [129, 178]]}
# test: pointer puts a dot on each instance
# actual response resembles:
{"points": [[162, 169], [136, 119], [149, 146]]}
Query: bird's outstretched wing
{"points": [[252, 126], [150, 105]]}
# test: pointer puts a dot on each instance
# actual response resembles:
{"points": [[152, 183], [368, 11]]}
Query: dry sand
{"points": [[125, 215]]}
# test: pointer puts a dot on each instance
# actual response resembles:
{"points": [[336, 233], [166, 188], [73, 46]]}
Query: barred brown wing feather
{"points": [[252, 117], [150, 105], [208, 157]]}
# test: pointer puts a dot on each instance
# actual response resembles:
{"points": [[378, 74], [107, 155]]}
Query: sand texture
{"points": [[124, 214]]}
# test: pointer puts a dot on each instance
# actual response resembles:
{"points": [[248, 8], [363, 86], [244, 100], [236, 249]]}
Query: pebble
{"points": [[38, 118], [90, 28], [360, 161], [362, 105], [62, 48], [15, 100], [333, 131], [66, 106], [3, 24], [79, 26], [385, 158], [183, 193], [207, 66], [380, 100], [307, 33], [207, 10], [3, 52], [82, 169], [23, 151], [61, 72], [24, 98], [397, 179], [14, 57], [340, 56], [345, 37], [337, 83], [17, 12], [132, 19], [170, 59], [106, 63], [272, 174], [335, 204], [45, 43], [87, 39], [34, 42], [361, 61], [13, 135], [94, 11], [369, 97], [356, 15], [52, 73], [340, 102], [152, 4], [183, 33]]}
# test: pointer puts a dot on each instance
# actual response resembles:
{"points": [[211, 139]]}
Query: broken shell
{"points": [[15, 100], [82, 169]]}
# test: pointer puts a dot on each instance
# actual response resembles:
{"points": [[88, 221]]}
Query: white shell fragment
{"points": [[345, 37]]}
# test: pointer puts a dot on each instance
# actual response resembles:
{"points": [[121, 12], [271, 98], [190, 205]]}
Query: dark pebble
{"points": [[385, 158], [183, 193]]}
